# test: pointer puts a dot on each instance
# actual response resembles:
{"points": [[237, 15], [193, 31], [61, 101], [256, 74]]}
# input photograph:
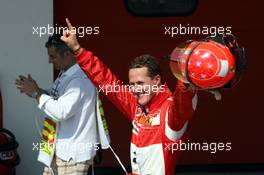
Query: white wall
{"points": [[21, 52]]}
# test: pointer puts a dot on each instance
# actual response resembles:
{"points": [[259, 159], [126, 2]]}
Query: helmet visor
{"points": [[178, 61]]}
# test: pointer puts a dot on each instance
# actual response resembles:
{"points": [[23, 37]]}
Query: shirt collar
{"points": [[72, 70]]}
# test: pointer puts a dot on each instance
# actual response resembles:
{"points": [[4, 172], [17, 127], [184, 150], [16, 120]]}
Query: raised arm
{"points": [[185, 101], [101, 76]]}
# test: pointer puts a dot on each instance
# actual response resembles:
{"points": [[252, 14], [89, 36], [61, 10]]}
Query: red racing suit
{"points": [[157, 127]]}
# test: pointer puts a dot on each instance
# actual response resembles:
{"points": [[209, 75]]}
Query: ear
{"points": [[157, 79], [67, 54]]}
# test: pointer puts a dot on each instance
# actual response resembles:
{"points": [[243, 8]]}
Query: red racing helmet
{"points": [[210, 63]]}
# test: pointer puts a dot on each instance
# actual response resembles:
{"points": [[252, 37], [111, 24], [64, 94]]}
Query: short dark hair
{"points": [[56, 42], [148, 61]]}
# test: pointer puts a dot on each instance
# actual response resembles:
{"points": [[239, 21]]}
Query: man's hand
{"points": [[27, 85], [70, 38]]}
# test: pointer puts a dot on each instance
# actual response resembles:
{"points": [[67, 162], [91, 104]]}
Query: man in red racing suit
{"points": [[158, 124]]}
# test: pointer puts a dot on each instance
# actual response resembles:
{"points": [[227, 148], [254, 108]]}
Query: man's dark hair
{"points": [[148, 61], [60, 46]]}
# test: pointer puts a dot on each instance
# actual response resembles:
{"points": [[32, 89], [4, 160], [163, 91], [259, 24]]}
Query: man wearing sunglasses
{"points": [[70, 104]]}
